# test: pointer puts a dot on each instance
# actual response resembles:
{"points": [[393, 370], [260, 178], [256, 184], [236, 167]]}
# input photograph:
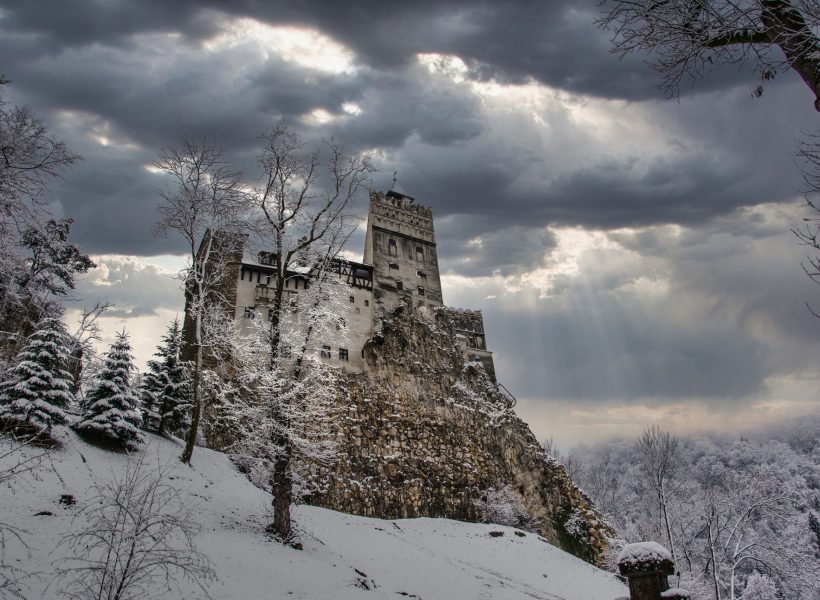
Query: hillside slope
{"points": [[344, 556]]}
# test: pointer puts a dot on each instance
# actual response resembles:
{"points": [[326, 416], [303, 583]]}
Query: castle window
{"points": [[325, 352], [421, 274], [421, 291], [419, 254], [367, 302], [391, 247], [393, 266], [352, 299], [359, 310], [250, 312], [399, 285], [342, 353]]}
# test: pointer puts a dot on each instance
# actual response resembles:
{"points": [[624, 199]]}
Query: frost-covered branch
{"points": [[135, 539]]}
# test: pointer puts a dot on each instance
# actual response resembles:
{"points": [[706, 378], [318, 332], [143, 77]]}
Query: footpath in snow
{"points": [[344, 556]]}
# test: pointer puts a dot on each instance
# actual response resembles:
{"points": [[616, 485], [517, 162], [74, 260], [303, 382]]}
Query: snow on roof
{"points": [[643, 552]]}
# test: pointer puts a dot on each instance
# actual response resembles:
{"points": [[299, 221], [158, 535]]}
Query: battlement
{"points": [[399, 213]]}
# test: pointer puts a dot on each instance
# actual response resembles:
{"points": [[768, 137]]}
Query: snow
{"points": [[344, 557], [675, 593], [643, 552]]}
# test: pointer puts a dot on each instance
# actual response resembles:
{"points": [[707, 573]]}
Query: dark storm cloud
{"points": [[120, 80], [554, 42], [150, 91]]}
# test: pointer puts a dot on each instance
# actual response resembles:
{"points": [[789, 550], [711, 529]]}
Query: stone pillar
{"points": [[647, 566]]}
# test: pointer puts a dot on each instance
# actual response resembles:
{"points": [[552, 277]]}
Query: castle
{"points": [[423, 427], [400, 267]]}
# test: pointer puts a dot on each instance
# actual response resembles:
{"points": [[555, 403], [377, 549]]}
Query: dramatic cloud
{"points": [[631, 253]]}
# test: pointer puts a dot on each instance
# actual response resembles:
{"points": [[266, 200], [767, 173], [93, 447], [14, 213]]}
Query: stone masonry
{"points": [[425, 433]]}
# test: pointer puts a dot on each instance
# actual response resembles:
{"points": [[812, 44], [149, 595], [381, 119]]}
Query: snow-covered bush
{"points": [[38, 391], [505, 506], [132, 540], [111, 415]]}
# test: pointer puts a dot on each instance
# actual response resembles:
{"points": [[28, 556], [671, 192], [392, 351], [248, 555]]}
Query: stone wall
{"points": [[425, 434]]}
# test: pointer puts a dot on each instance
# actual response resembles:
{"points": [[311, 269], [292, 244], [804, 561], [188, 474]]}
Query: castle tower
{"points": [[401, 245]]}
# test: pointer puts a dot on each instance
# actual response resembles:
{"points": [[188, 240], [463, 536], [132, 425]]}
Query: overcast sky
{"points": [[632, 254]]}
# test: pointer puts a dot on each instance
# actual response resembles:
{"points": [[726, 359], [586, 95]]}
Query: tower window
{"points": [[391, 247], [421, 274], [325, 352], [367, 302], [343, 354], [421, 291], [250, 312], [399, 285], [419, 254], [352, 299], [393, 266]]}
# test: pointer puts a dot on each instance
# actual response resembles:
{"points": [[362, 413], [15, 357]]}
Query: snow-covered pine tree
{"points": [[111, 415], [150, 390], [38, 390], [166, 393]]}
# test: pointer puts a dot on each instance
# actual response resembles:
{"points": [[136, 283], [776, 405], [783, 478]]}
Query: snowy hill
{"points": [[344, 556]]}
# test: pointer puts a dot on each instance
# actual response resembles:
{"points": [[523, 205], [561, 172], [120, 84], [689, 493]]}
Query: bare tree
{"points": [[688, 37], [135, 539], [204, 205], [30, 159], [303, 199], [659, 462], [732, 506], [36, 260]]}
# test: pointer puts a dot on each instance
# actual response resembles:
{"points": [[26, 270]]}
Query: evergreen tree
{"points": [[111, 414], [150, 392], [39, 387], [166, 393]]}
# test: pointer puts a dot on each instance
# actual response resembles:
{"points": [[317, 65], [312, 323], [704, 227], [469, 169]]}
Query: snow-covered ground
{"points": [[344, 556]]}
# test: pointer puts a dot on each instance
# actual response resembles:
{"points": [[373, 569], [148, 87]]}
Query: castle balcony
{"points": [[264, 294]]}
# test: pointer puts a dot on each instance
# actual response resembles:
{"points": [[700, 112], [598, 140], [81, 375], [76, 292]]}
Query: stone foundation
{"points": [[425, 434]]}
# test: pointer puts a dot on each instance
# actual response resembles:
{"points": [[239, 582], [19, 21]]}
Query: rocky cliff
{"points": [[423, 433]]}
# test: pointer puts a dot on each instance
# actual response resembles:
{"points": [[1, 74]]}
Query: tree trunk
{"points": [[665, 514], [281, 478], [282, 484], [715, 574], [787, 29], [196, 409]]}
